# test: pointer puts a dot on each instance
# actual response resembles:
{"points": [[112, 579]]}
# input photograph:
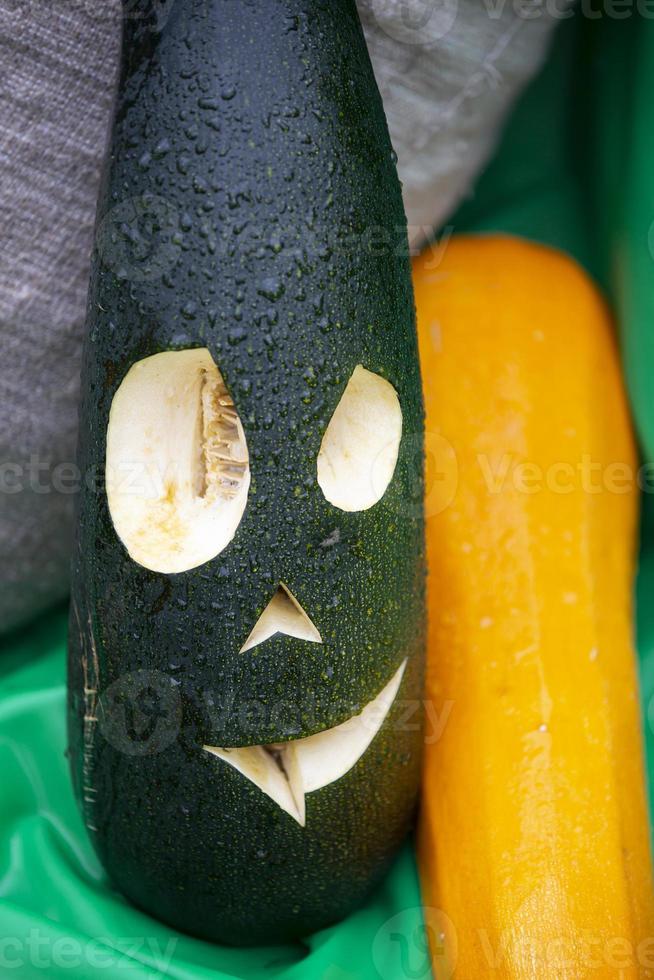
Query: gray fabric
{"points": [[447, 77], [57, 63]]}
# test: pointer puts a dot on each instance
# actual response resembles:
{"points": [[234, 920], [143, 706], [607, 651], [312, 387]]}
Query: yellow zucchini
{"points": [[534, 839]]}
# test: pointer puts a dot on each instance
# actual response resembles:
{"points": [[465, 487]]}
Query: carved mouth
{"points": [[287, 771]]}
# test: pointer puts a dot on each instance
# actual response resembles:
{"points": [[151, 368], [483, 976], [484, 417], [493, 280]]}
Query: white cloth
{"points": [[449, 71]]}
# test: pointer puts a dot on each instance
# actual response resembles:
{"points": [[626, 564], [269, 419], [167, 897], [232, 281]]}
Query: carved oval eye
{"points": [[359, 449], [177, 461]]}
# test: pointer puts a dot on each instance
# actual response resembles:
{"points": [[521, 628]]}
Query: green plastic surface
{"points": [[575, 170]]}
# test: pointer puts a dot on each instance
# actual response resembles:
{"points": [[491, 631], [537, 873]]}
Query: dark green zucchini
{"points": [[251, 219]]}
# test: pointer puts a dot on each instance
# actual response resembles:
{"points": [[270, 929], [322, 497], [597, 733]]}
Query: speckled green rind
{"points": [[250, 205]]}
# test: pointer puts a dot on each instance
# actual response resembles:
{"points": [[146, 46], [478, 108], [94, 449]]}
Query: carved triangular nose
{"points": [[283, 614]]}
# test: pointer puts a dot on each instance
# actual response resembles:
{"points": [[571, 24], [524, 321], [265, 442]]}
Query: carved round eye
{"points": [[177, 461], [359, 449]]}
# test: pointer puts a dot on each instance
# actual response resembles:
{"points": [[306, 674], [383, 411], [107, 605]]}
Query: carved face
{"points": [[178, 485], [251, 386]]}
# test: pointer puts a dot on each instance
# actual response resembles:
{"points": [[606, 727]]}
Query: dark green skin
{"points": [[281, 246]]}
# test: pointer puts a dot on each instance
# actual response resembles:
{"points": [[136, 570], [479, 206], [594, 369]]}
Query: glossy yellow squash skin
{"points": [[534, 838]]}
